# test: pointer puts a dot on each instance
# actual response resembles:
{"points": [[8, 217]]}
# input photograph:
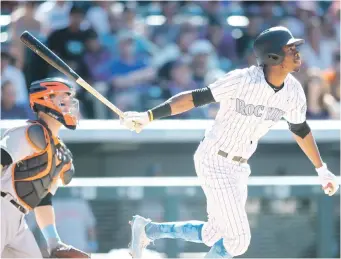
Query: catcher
{"points": [[33, 161]]}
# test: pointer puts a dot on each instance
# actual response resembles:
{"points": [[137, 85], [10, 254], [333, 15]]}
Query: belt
{"points": [[238, 159], [17, 205]]}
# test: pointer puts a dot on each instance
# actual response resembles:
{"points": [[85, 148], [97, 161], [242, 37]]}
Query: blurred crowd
{"points": [[138, 54]]}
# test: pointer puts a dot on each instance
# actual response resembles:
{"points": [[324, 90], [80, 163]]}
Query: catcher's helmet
{"points": [[268, 45], [65, 110]]}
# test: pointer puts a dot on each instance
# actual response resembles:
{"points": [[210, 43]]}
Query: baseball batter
{"points": [[252, 100], [33, 161]]}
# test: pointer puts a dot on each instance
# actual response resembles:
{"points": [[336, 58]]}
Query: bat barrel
{"points": [[44, 52]]}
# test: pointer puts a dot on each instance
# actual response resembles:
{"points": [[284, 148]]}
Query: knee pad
{"points": [[237, 245]]}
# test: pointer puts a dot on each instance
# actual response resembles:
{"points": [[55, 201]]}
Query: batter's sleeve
{"points": [[225, 87], [16, 145], [297, 112]]}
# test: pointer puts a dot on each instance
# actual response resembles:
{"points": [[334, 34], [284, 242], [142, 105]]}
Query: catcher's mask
{"points": [[56, 98]]}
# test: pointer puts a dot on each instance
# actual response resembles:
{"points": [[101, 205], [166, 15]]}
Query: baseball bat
{"points": [[45, 53]]}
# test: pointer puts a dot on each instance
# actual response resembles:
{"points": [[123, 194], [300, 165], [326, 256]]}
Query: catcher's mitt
{"points": [[68, 252]]}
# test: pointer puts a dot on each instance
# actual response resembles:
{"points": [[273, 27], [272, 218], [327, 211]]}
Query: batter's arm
{"points": [[222, 89], [296, 118], [308, 145], [306, 141], [327, 178], [181, 103]]}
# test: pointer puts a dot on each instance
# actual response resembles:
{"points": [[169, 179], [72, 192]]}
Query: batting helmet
{"points": [[43, 98], [268, 46]]}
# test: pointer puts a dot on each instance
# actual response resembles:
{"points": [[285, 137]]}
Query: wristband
{"points": [[150, 115], [322, 168], [163, 110], [50, 232]]}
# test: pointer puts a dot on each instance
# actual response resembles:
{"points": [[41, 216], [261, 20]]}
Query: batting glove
{"points": [[135, 121], [328, 180]]}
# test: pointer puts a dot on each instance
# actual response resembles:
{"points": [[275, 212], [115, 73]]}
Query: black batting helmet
{"points": [[268, 46]]}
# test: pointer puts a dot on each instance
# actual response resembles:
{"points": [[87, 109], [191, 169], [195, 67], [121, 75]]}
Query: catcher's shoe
{"points": [[139, 239]]}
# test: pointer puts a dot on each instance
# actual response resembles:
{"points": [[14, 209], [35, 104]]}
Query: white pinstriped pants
{"points": [[225, 186]]}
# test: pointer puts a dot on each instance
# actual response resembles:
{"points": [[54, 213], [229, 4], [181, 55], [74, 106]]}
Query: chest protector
{"points": [[34, 175]]}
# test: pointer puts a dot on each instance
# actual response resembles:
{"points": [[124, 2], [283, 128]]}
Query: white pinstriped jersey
{"points": [[249, 107]]}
